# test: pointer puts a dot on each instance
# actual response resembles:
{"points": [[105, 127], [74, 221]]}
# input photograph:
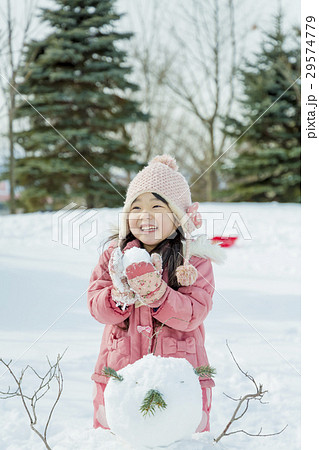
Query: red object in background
{"points": [[4, 191], [225, 241]]}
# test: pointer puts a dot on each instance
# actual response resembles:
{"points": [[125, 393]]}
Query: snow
{"points": [[176, 380], [256, 309], [135, 255]]}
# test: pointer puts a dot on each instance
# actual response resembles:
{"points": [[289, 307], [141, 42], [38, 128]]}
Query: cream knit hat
{"points": [[162, 177]]}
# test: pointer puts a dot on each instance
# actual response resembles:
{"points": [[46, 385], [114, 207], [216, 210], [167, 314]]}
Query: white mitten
{"points": [[116, 269], [121, 292]]}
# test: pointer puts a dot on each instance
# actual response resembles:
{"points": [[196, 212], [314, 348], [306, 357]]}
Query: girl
{"points": [[169, 296]]}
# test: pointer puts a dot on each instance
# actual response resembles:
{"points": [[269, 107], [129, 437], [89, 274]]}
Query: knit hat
{"points": [[162, 177]]}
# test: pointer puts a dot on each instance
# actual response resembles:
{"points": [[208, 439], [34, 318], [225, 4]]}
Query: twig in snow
{"points": [[30, 401], [244, 401]]}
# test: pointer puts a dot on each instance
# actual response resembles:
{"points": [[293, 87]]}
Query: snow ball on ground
{"points": [[176, 380]]}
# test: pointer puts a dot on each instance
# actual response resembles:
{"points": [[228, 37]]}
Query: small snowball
{"points": [[135, 255]]}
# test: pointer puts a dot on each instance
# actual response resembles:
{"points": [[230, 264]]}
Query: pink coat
{"points": [[183, 311]]}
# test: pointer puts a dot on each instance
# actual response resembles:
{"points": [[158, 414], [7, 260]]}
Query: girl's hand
{"points": [[123, 299], [144, 274], [121, 292]]}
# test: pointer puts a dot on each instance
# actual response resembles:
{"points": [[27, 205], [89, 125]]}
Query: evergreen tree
{"points": [[266, 165], [77, 79]]}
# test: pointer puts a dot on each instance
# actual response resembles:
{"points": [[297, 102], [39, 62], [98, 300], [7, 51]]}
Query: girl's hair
{"points": [[170, 249]]}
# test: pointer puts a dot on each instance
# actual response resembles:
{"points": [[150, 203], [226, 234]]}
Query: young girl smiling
{"points": [[154, 279]]}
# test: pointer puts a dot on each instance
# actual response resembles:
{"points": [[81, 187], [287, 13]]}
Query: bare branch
{"points": [[233, 64], [202, 80], [258, 434], [18, 392], [59, 379], [24, 38], [30, 402], [244, 401], [239, 368]]}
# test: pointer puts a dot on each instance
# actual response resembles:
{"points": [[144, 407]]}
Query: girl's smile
{"points": [[151, 220], [148, 228]]}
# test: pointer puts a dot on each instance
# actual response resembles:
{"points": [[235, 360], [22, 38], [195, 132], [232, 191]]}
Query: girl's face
{"points": [[151, 220]]}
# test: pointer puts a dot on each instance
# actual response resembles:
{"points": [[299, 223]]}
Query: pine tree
{"points": [[267, 164], [77, 78]]}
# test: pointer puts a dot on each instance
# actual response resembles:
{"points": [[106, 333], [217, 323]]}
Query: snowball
{"points": [[176, 380], [135, 255]]}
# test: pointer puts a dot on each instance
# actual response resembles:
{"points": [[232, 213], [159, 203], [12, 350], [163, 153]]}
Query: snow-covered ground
{"points": [[256, 309]]}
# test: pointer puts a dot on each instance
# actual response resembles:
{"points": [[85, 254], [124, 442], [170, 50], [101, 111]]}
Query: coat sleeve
{"points": [[186, 308], [100, 302]]}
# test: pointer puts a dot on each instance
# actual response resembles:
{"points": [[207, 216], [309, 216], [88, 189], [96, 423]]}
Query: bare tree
{"points": [[11, 59], [243, 405], [30, 401], [205, 86], [170, 128], [186, 55], [151, 64]]}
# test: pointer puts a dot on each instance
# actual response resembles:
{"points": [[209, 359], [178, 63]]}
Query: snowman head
{"points": [[153, 398], [154, 401]]}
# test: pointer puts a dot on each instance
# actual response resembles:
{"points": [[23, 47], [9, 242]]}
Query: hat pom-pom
{"points": [[165, 159], [186, 275]]}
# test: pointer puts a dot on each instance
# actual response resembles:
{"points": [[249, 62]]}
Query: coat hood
{"points": [[204, 247]]}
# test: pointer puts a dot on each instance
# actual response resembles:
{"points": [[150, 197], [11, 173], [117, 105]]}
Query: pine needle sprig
{"points": [[152, 399], [205, 371], [111, 373]]}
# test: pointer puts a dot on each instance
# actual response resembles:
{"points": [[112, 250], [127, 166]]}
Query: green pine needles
{"points": [[152, 400], [111, 373], [205, 371]]}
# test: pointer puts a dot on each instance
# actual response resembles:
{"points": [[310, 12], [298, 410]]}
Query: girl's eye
{"points": [[134, 207]]}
